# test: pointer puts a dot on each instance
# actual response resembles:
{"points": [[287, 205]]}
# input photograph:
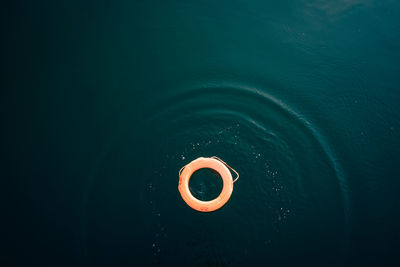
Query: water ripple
{"points": [[290, 176], [205, 111]]}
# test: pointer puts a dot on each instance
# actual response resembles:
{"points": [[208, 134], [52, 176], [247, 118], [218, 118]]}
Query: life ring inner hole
{"points": [[205, 184]]}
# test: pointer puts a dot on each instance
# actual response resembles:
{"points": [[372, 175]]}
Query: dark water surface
{"points": [[103, 103]]}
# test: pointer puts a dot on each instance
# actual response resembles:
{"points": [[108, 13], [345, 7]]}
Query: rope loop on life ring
{"points": [[226, 164], [219, 166]]}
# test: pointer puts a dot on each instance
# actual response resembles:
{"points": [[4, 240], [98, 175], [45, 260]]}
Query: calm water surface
{"points": [[103, 103]]}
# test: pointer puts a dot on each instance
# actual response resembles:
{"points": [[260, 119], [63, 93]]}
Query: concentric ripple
{"points": [[291, 197], [220, 112]]}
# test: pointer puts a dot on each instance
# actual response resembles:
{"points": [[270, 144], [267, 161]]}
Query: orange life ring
{"points": [[213, 163]]}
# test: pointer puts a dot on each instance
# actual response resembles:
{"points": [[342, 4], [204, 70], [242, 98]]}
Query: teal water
{"points": [[103, 103]]}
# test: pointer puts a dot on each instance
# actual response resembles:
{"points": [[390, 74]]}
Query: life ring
{"points": [[219, 166]]}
